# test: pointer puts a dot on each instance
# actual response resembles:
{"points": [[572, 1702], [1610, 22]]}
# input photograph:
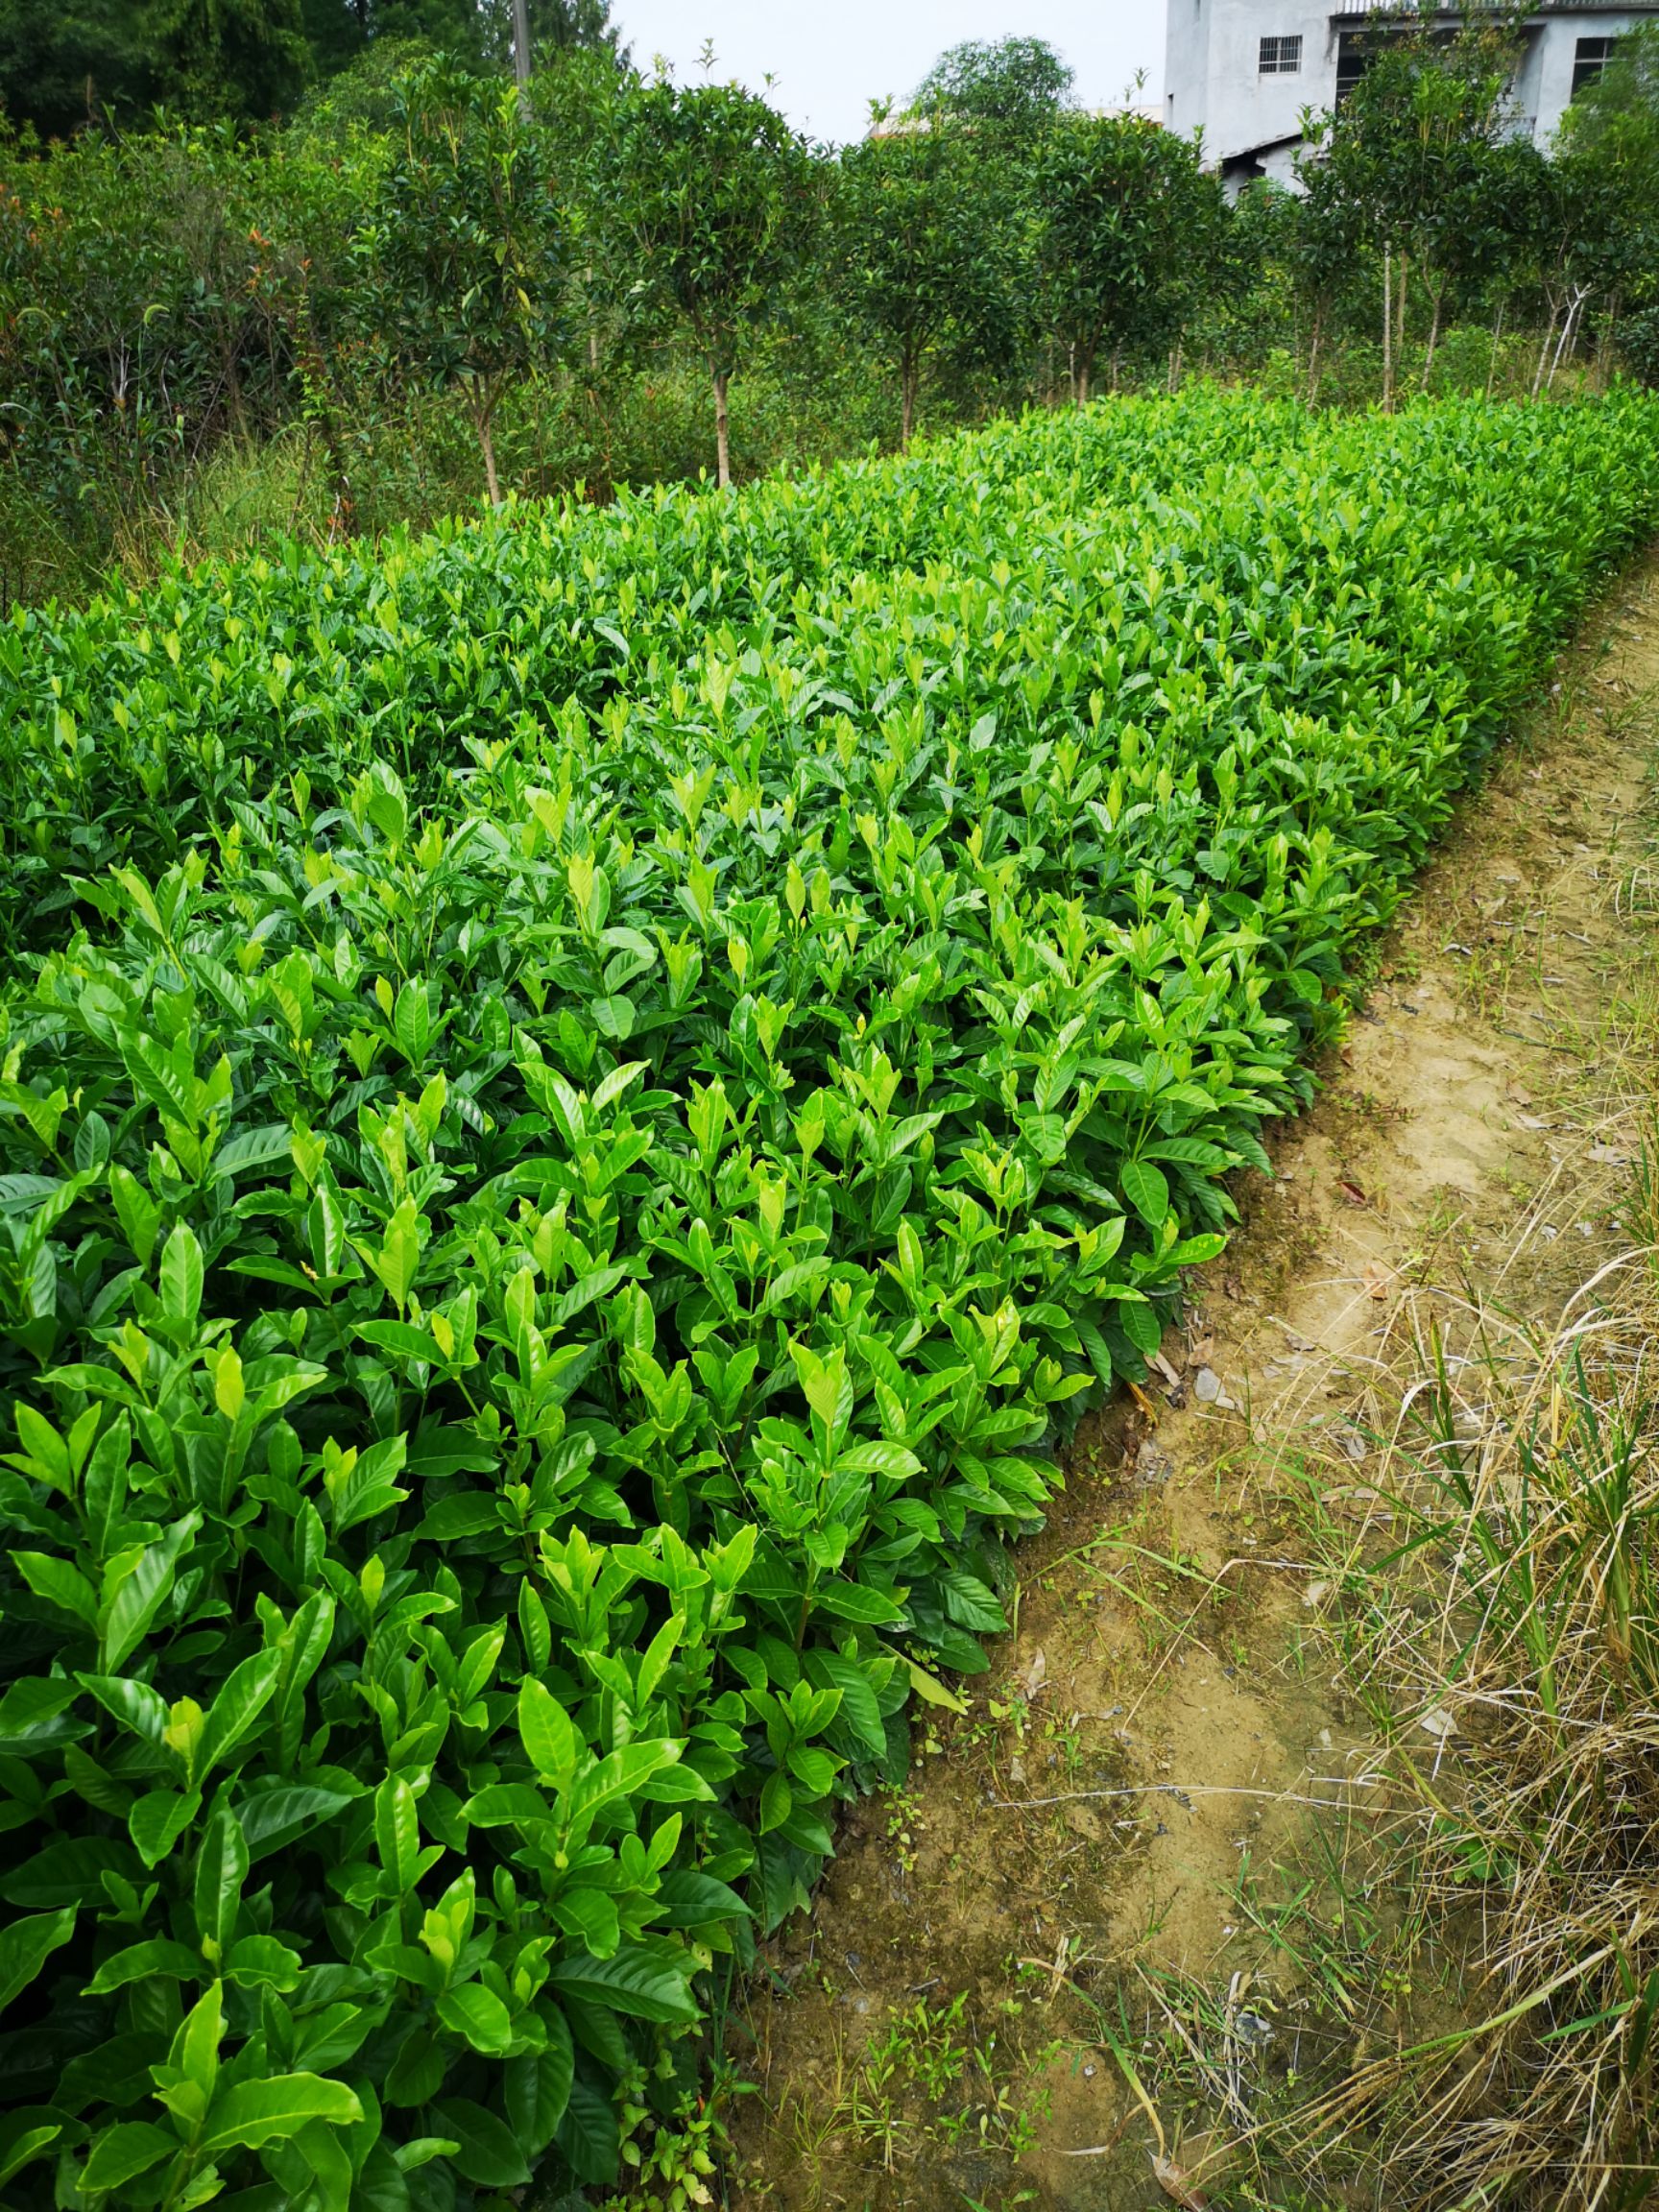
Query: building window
{"points": [[1353, 55], [1587, 62], [1283, 56]]}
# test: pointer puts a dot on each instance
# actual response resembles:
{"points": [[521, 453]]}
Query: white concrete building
{"points": [[1243, 71]]}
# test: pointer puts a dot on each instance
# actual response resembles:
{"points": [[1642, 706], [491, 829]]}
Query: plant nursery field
{"points": [[585, 1101]]}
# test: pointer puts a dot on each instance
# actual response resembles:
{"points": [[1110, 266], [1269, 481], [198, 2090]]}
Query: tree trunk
{"points": [[1568, 334], [233, 391], [1497, 340], [521, 55], [482, 407], [722, 442], [304, 479], [1400, 329], [1314, 335], [1433, 337], [907, 381], [1117, 364], [315, 385], [1387, 331], [1174, 380], [1561, 345], [1605, 343], [1544, 350], [1082, 362]]}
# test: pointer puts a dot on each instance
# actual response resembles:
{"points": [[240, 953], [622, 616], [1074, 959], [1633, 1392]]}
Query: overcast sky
{"points": [[830, 58]]}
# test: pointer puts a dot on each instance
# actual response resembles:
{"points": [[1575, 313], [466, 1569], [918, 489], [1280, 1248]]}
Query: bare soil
{"points": [[1163, 1716]]}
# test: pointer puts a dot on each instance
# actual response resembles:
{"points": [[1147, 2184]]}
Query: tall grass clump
{"points": [[1502, 1639]]}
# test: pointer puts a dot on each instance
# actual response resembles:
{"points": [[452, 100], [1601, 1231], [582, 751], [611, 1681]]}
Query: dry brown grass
{"points": [[1457, 1997]]}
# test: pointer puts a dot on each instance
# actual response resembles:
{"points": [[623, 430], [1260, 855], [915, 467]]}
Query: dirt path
{"points": [[937, 2034]]}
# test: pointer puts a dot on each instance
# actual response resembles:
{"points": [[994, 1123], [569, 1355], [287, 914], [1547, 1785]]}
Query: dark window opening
{"points": [[1592, 57], [1356, 49], [1353, 56], [1280, 56]]}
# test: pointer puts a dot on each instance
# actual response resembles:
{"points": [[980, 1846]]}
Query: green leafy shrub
{"points": [[1638, 347], [580, 1107], [460, 259]]}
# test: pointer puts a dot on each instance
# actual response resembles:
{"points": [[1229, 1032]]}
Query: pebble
{"points": [[1207, 1388]]}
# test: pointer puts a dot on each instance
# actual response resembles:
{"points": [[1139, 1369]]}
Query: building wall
{"points": [[1214, 85], [1212, 71], [1187, 64], [1545, 88]]}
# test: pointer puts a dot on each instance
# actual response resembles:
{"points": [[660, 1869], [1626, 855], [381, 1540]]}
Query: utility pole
{"points": [[521, 51]]}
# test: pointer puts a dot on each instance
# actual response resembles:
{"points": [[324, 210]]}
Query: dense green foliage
{"points": [[920, 269], [1013, 87], [65, 64], [1128, 239], [582, 1102], [1426, 165]]}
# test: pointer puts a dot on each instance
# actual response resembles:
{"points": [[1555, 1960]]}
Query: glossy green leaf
{"points": [[487, 2151], [251, 2113], [123, 2151], [26, 1945], [222, 1865], [182, 1275], [646, 1981], [537, 2085], [478, 2016]]}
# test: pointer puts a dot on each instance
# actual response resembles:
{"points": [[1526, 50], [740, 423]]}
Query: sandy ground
{"points": [[1160, 1715]]}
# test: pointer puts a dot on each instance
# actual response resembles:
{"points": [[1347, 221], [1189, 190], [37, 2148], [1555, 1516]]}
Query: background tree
{"points": [[555, 27], [1481, 243], [921, 254], [1318, 241], [1609, 156], [63, 69], [715, 201], [461, 251], [577, 95], [1017, 83], [1624, 95], [1241, 304], [339, 32], [1128, 225], [246, 59], [65, 62], [1579, 245], [1213, 260]]}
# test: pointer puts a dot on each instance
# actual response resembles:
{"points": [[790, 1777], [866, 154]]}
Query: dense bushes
{"points": [[606, 1086]]}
